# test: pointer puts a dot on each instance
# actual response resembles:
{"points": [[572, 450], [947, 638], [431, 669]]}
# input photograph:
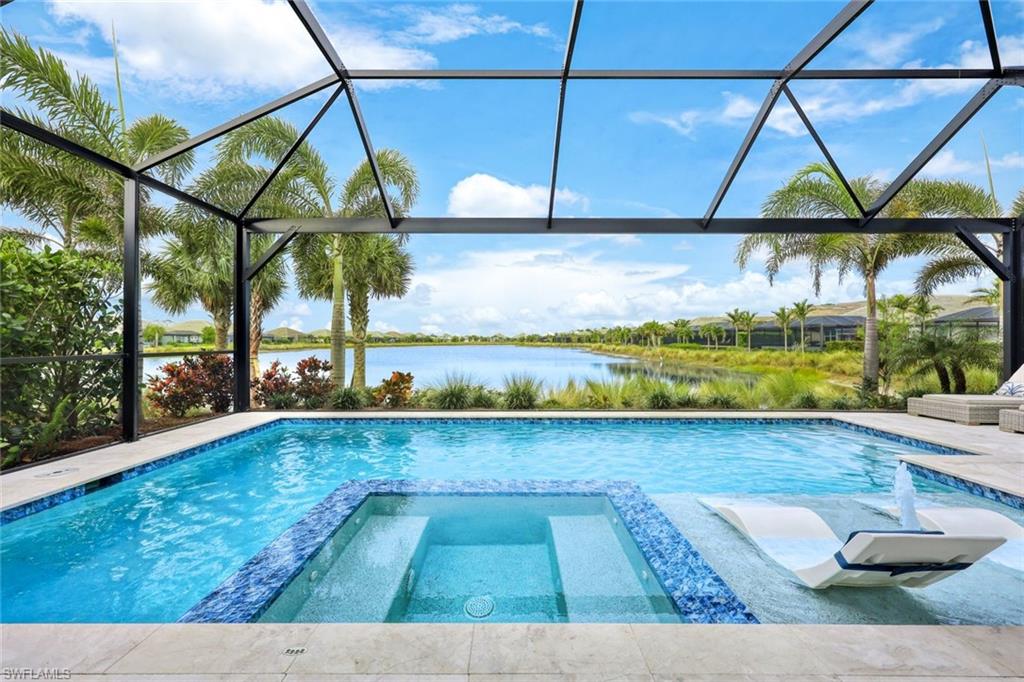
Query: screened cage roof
{"points": [[544, 112]]}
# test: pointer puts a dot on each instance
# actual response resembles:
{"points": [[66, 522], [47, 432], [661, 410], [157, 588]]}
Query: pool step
{"points": [[598, 580], [365, 578]]}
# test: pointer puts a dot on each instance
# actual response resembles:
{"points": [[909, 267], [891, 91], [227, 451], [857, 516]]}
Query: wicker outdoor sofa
{"points": [[1012, 420], [964, 409]]}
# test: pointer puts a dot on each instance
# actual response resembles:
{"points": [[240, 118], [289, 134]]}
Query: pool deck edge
{"points": [[999, 463], [463, 651]]}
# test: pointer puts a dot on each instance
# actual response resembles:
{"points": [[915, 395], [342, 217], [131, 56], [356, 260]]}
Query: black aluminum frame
{"points": [[1010, 269]]}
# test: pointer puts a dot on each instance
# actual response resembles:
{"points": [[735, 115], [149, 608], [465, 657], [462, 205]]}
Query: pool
{"points": [[151, 547]]}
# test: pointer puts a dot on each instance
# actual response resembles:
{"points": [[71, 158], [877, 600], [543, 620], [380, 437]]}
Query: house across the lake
{"points": [[286, 335], [844, 321], [187, 332]]}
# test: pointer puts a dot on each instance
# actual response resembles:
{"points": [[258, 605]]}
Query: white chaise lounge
{"points": [[970, 521], [800, 541], [972, 409]]}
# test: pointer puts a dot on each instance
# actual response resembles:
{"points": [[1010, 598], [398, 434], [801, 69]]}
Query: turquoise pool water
{"points": [[408, 559], [149, 548]]}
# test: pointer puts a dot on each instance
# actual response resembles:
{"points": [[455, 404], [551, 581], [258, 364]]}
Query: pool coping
{"points": [[697, 591], [32, 492]]}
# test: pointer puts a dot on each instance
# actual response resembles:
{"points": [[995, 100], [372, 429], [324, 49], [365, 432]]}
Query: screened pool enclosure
{"points": [[341, 94]]}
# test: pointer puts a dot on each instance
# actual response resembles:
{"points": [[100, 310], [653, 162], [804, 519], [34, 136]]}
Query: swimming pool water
{"points": [[469, 558], [149, 548]]}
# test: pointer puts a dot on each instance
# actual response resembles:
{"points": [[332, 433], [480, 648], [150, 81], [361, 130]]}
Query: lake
{"points": [[487, 365]]}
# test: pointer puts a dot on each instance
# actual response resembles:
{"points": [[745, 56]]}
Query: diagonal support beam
{"points": [[824, 150], [323, 43], [938, 142], [984, 254], [9, 120], [269, 254], [291, 151], [843, 19], [237, 122], [990, 34], [574, 27]]}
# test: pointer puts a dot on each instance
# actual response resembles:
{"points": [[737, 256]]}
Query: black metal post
{"points": [[240, 344], [1013, 301], [131, 340]]}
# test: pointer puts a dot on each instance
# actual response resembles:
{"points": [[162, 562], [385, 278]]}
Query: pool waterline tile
{"points": [[697, 591], [22, 510]]}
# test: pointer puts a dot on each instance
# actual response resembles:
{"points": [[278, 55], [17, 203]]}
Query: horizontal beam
{"points": [[990, 259], [676, 74], [629, 225], [9, 120], [43, 359], [237, 122]]}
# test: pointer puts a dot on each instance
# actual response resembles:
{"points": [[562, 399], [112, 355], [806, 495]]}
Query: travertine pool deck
{"points": [[518, 652], [999, 465]]}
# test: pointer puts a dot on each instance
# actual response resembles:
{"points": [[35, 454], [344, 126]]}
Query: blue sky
{"points": [[629, 148]]}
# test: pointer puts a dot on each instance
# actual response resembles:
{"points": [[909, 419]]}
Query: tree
{"points": [[801, 311], [947, 355], [75, 203], [683, 330], [784, 316], [209, 335], [739, 319], [379, 266], [711, 332], [153, 332], [653, 331], [816, 191], [923, 310]]}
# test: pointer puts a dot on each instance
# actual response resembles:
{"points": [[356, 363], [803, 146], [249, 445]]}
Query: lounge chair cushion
{"points": [[979, 400], [1014, 386]]}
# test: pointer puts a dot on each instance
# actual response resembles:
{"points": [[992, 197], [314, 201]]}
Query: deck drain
{"points": [[57, 472], [294, 651], [479, 607]]}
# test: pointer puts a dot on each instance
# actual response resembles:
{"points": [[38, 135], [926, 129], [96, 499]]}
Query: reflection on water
{"points": [[681, 374], [489, 365]]}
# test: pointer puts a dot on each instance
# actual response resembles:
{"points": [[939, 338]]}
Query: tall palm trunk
{"points": [[338, 316], [256, 315], [802, 348], [359, 313], [221, 324], [871, 336]]}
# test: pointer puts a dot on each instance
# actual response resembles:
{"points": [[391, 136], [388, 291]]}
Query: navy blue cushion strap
{"points": [[894, 532], [897, 569]]}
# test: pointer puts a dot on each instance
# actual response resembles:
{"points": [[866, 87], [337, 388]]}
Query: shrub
{"points": [[394, 391], [313, 382], [454, 393], [660, 398], [807, 400], [833, 346], [275, 388], [721, 401], [522, 392], [195, 382], [483, 398], [844, 402], [348, 398]]}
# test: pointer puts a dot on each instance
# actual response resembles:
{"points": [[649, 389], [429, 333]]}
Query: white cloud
{"points": [[485, 196], [888, 50], [683, 123], [292, 322], [947, 164], [231, 47], [458, 21], [300, 308]]}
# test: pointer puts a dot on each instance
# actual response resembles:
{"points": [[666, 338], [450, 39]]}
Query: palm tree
{"points": [[816, 191], [683, 330], [801, 311], [377, 265], [306, 188], [75, 203], [784, 316], [736, 318], [923, 310], [711, 332]]}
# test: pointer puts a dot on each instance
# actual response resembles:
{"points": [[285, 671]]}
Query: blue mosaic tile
{"points": [[1009, 499], [18, 512], [698, 592]]}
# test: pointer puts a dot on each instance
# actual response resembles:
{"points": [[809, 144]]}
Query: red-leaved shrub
{"points": [[196, 381], [313, 382], [394, 391], [275, 388]]}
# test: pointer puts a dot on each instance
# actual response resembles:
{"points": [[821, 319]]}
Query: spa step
{"points": [[598, 581], [365, 578]]}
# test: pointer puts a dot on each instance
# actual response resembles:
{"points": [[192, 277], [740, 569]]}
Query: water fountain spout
{"points": [[903, 489]]}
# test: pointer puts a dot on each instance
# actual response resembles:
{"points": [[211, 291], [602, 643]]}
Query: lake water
{"points": [[487, 365]]}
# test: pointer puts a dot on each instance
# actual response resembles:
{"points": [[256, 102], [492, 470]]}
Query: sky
{"points": [[629, 148]]}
